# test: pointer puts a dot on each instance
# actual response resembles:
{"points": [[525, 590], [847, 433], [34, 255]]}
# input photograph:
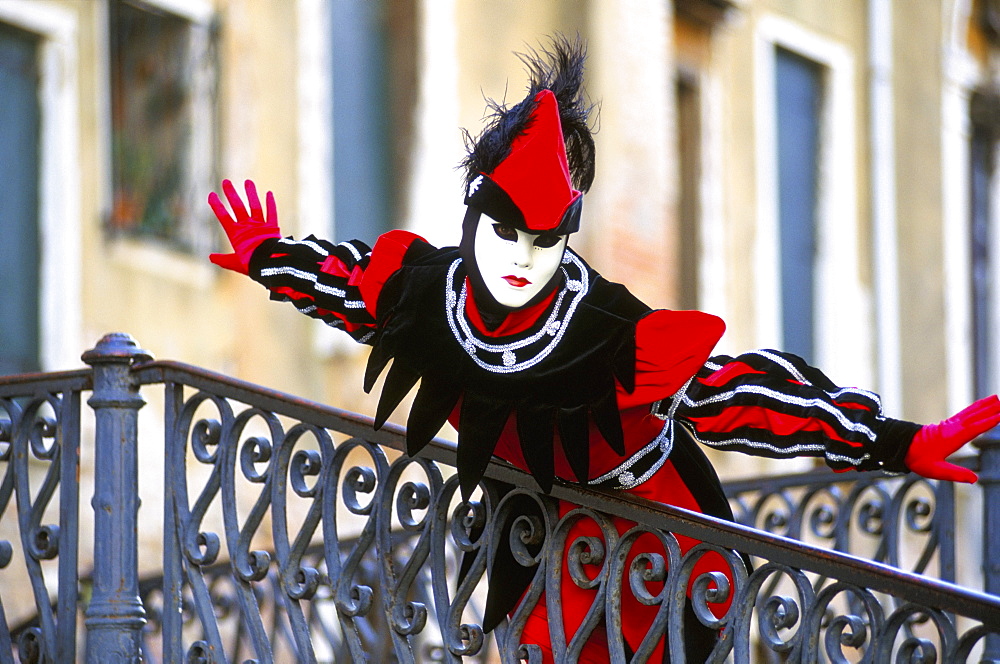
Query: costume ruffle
{"points": [[552, 377]]}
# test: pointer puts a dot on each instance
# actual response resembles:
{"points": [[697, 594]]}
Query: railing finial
{"points": [[116, 347]]}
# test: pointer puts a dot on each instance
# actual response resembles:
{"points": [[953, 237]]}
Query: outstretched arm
{"points": [[336, 283], [770, 403]]}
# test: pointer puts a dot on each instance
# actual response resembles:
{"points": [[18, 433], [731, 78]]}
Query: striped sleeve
{"points": [[773, 404], [320, 278]]}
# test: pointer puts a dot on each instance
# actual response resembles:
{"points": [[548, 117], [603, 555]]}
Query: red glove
{"points": [[934, 442], [249, 230]]}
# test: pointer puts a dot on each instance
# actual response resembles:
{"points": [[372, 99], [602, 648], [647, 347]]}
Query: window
{"points": [[807, 222], [797, 95], [19, 223], [689, 203], [161, 110], [40, 227], [373, 52], [701, 261], [970, 209], [985, 111]]}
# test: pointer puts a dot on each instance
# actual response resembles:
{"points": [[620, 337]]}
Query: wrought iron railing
{"points": [[293, 532], [906, 522]]}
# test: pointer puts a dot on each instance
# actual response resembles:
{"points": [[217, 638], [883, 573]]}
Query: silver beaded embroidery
{"points": [[502, 358], [622, 477]]}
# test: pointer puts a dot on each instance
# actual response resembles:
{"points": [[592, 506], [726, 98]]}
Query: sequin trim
{"points": [[526, 352], [642, 465]]}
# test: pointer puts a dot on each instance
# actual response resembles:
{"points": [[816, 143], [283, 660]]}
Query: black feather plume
{"points": [[559, 69]]}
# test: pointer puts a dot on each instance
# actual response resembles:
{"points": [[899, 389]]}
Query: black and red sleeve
{"points": [[319, 277], [336, 283], [773, 404]]}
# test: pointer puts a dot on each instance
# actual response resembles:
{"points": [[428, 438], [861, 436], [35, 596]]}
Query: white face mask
{"points": [[515, 265]]}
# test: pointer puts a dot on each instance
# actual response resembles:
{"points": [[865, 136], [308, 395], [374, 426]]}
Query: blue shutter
{"points": [[19, 164], [799, 87], [360, 121], [981, 173]]}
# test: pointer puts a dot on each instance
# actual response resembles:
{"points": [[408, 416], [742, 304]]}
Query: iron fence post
{"points": [[989, 480], [115, 615]]}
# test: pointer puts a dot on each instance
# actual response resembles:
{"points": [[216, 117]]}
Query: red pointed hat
{"points": [[532, 188]]}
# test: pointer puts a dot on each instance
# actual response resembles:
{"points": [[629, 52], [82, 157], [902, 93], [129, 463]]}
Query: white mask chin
{"points": [[515, 265]]}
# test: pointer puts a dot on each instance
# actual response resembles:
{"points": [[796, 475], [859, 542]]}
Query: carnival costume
{"points": [[581, 381]]}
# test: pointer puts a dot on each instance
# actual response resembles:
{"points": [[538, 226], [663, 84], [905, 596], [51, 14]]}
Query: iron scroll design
{"points": [[396, 572], [365, 549], [904, 521], [39, 493], [294, 532]]}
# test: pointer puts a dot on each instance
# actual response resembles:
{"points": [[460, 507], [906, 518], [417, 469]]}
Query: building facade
{"points": [[821, 175]]}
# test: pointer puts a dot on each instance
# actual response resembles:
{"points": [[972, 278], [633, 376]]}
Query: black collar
{"points": [[560, 374]]}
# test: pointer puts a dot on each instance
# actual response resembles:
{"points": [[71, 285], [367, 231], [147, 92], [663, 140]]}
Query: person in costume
{"points": [[537, 359]]}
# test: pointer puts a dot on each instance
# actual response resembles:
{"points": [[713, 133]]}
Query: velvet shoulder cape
{"points": [[559, 375]]}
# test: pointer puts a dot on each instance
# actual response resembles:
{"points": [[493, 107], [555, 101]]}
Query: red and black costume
{"points": [[653, 366], [587, 349], [584, 383]]}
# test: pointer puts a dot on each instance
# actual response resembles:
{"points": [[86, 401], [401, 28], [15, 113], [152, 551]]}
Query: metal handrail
{"points": [[866, 573], [791, 591]]}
